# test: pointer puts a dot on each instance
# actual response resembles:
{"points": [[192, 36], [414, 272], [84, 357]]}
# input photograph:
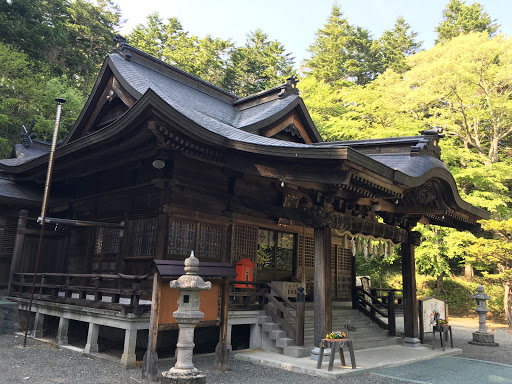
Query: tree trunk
{"points": [[440, 281], [469, 272], [507, 303]]}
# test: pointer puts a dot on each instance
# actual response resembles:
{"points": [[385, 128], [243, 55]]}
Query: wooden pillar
{"points": [[162, 230], [409, 289], [323, 286], [222, 349], [18, 248], [150, 366]]}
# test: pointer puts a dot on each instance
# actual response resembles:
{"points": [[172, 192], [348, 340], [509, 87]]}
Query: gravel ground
{"points": [[43, 363]]}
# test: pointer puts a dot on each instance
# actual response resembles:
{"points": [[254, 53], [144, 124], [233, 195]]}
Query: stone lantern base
{"points": [[171, 378], [483, 338]]}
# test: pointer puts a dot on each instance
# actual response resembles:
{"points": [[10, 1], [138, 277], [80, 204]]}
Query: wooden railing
{"points": [[372, 305], [117, 292], [265, 296]]}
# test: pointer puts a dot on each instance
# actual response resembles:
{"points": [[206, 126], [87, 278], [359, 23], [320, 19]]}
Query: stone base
{"points": [[412, 342], [8, 317], [484, 339], [316, 351], [168, 378]]}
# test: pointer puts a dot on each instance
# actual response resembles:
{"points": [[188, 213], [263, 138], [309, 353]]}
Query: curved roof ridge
{"points": [[125, 46]]}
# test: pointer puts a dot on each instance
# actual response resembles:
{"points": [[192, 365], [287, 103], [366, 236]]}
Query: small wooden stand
{"points": [[443, 333], [334, 345]]}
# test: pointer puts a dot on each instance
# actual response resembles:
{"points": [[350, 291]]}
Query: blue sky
{"points": [[294, 23]]}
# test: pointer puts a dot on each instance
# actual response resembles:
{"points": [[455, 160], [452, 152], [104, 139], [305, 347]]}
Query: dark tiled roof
{"points": [[413, 166], [11, 190]]}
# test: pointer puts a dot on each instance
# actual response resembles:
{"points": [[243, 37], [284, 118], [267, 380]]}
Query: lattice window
{"points": [[141, 236], [344, 259], [211, 241], [107, 240], [206, 240], [182, 236], [245, 243], [8, 232], [309, 251]]}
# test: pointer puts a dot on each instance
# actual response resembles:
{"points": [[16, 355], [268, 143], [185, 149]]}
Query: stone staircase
{"points": [[368, 334]]}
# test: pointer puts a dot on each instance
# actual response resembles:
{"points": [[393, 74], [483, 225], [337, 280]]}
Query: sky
{"points": [[294, 23]]}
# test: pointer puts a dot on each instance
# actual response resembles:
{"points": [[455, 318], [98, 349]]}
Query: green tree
{"points": [[465, 85], [35, 27], [459, 18], [46, 108], [91, 29], [495, 248], [258, 65], [343, 52], [397, 44], [19, 90], [206, 58]]}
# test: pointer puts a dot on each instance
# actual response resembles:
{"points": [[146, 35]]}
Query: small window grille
{"points": [[245, 243], [140, 236], [208, 241], [309, 251]]}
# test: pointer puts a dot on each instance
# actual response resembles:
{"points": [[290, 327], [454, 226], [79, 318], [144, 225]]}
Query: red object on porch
{"points": [[244, 272]]}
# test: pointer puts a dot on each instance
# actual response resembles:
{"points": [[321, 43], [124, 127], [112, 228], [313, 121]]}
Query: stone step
{"points": [[269, 327], [284, 342], [277, 334]]}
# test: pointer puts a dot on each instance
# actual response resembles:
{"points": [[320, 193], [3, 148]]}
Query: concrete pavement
{"points": [[450, 370], [367, 360]]}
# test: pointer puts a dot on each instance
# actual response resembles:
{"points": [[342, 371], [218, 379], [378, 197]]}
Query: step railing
{"points": [[262, 295], [372, 305]]}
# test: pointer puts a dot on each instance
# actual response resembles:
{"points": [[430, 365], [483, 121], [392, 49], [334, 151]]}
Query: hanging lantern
{"points": [[358, 244], [365, 249], [353, 245], [345, 242]]}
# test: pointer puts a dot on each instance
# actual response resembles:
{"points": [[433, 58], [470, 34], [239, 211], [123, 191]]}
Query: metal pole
{"points": [[41, 219]]}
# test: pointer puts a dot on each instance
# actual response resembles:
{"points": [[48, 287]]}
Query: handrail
{"points": [[88, 290], [360, 301]]}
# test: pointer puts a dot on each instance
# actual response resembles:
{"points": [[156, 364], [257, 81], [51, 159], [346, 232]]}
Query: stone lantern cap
{"points": [[480, 295], [190, 281]]}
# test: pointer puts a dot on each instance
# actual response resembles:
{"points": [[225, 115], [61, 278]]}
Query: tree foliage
{"points": [[70, 37], [459, 19], [259, 64], [397, 44], [343, 52]]}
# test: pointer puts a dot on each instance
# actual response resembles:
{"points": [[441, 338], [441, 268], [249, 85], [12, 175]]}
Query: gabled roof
{"points": [[210, 116], [199, 101]]}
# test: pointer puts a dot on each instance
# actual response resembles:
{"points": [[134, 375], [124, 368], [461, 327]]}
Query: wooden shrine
{"points": [[161, 163]]}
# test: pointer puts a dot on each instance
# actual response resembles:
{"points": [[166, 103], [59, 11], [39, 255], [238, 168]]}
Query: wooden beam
{"points": [[323, 286], [409, 288], [123, 94], [289, 120], [18, 248]]}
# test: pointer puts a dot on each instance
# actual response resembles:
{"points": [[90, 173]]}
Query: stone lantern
{"points": [[187, 316], [482, 337]]}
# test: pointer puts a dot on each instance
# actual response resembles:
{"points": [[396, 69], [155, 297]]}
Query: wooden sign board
{"points": [[169, 303], [427, 308]]}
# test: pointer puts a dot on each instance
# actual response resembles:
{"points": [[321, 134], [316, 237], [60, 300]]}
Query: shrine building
{"points": [[161, 163]]}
